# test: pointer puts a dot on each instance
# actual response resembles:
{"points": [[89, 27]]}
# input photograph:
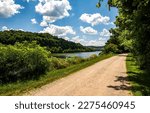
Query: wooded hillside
{"points": [[53, 43]]}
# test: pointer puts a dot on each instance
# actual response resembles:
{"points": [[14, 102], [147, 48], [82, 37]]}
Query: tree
{"points": [[43, 39], [133, 23]]}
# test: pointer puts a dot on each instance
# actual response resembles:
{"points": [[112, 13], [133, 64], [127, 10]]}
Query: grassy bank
{"points": [[140, 80], [23, 87]]}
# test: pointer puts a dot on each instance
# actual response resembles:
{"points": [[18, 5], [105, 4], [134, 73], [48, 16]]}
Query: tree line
{"points": [[53, 43], [132, 30]]}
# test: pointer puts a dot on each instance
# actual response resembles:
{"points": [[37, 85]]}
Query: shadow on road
{"points": [[136, 79], [140, 80], [124, 83]]}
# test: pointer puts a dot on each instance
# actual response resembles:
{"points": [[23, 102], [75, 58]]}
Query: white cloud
{"points": [[103, 38], [94, 19], [33, 20], [58, 30], [20, 29], [110, 23], [88, 30], [43, 24], [95, 43], [53, 10], [8, 8], [85, 42], [77, 39], [4, 28], [67, 38], [105, 32]]}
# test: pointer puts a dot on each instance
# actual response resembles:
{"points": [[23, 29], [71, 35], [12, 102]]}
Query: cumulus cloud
{"points": [[94, 19], [81, 40], [95, 43], [53, 10], [33, 20], [8, 8], [105, 32], [110, 23], [4, 28], [77, 39], [88, 30], [103, 38], [67, 38], [43, 24], [58, 30]]}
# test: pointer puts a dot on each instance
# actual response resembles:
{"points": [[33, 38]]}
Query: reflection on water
{"points": [[79, 54]]}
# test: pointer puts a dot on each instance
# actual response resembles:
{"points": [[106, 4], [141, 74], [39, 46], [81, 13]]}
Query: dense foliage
{"points": [[26, 55], [132, 30], [26, 61], [53, 43], [22, 62], [119, 42]]}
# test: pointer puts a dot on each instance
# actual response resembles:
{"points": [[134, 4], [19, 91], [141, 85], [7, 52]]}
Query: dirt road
{"points": [[105, 78]]}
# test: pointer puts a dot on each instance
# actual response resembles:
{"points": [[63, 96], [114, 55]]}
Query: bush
{"points": [[58, 63], [74, 60], [22, 62], [93, 56]]}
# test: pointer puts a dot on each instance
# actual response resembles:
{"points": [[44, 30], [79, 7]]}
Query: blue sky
{"points": [[74, 20]]}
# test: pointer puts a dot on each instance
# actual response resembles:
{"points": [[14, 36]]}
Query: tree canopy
{"points": [[132, 30], [53, 43]]}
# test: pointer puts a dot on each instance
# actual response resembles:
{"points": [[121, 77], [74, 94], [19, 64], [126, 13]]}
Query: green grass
{"points": [[140, 79], [22, 87]]}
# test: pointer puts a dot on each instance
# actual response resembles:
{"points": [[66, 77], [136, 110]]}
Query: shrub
{"points": [[93, 56], [75, 60], [58, 63], [22, 62]]}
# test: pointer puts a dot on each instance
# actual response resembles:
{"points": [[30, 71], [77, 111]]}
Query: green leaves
{"points": [[133, 23], [53, 43], [98, 5], [22, 62]]}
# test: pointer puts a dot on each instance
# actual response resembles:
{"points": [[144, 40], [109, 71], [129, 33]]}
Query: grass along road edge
{"points": [[138, 78]]}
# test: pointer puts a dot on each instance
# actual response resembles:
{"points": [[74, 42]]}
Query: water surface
{"points": [[78, 54]]}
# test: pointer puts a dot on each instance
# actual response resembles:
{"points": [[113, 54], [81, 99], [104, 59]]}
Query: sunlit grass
{"points": [[140, 79]]}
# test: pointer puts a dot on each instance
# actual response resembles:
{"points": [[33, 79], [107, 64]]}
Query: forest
{"points": [[53, 43]]}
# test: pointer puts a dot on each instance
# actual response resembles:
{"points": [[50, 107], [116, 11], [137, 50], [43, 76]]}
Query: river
{"points": [[78, 54]]}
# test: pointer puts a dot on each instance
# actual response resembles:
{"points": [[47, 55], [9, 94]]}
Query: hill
{"points": [[53, 43], [95, 48]]}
